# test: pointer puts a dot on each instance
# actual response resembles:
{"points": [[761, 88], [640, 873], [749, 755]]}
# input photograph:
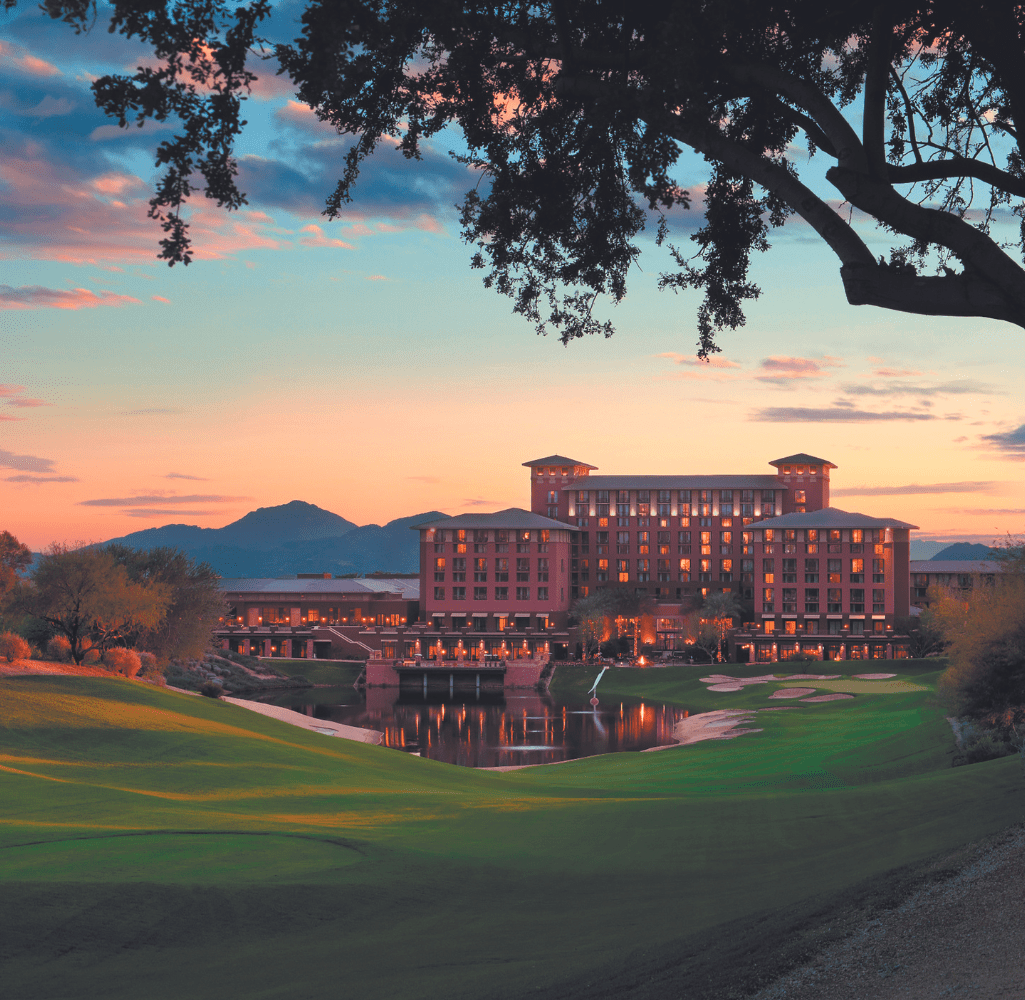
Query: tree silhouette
{"points": [[720, 609], [575, 114]]}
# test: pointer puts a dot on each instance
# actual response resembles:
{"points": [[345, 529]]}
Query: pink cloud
{"points": [[11, 390], [160, 298], [24, 401], [6, 419], [716, 361], [895, 372], [21, 59], [303, 117], [37, 297], [376, 277], [318, 239]]}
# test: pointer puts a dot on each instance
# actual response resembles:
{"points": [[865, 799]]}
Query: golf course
{"points": [[156, 844]]}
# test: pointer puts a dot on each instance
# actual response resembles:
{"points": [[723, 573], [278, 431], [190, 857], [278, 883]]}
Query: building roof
{"points": [[955, 566], [832, 517], [558, 460], [407, 589], [514, 517], [761, 482], [802, 459]]}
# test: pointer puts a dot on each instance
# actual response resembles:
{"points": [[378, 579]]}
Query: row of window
{"points": [[502, 624], [659, 497], [834, 600], [834, 570], [500, 568], [481, 593], [483, 536]]}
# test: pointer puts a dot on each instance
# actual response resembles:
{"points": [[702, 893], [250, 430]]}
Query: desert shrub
{"points": [[211, 690], [150, 670], [984, 746], [14, 647], [58, 648], [123, 661]]}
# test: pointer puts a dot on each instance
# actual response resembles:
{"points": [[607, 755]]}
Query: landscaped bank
{"points": [[157, 844]]}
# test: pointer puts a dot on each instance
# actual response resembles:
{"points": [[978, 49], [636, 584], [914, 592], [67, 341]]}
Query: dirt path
{"points": [[961, 936]]}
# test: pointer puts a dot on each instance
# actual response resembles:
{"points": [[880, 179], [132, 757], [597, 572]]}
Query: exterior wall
{"points": [[799, 480], [440, 583], [255, 609], [783, 564]]}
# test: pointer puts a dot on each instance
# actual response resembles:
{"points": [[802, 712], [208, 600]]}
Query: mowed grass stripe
{"points": [[467, 883]]}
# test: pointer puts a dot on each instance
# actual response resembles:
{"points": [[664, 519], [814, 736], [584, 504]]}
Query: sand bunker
{"points": [[828, 697], [726, 687], [792, 692], [324, 726], [720, 725], [724, 682], [873, 677]]}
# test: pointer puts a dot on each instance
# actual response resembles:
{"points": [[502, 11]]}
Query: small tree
{"points": [[123, 661], [59, 649], [90, 600], [924, 638], [720, 609], [590, 614], [13, 647]]}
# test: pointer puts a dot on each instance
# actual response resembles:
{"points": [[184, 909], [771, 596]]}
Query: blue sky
{"points": [[360, 365]]}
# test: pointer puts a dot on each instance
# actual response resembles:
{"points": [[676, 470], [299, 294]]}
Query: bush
{"points": [[123, 661], [986, 746], [59, 649], [150, 670], [211, 690], [13, 647]]}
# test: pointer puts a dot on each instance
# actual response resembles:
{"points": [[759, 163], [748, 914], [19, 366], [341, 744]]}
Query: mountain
{"points": [[965, 551], [292, 538]]}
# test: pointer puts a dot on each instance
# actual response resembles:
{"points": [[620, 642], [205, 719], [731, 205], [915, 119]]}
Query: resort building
{"points": [[498, 588], [960, 576]]}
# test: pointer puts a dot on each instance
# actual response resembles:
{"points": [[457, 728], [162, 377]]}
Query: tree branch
{"points": [[910, 112], [840, 237], [958, 166], [877, 72]]}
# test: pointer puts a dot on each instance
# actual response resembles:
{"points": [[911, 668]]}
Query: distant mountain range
{"points": [[964, 551], [293, 538]]}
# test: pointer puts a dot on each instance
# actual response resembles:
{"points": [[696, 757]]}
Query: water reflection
{"points": [[494, 729]]}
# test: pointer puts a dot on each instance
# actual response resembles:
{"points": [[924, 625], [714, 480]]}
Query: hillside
{"points": [[295, 537], [964, 551]]}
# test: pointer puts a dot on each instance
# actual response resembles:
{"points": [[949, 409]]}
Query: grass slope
{"points": [[163, 845]]}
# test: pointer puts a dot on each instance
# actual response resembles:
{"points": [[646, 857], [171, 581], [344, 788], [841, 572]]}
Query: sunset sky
{"points": [[361, 366]]}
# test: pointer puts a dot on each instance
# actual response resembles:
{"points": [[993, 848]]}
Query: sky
{"points": [[361, 366]]}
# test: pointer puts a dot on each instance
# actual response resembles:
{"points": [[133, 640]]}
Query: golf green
{"points": [[157, 844]]}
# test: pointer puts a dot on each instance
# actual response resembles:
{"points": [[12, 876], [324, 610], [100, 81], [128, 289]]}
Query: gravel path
{"points": [[960, 937]]}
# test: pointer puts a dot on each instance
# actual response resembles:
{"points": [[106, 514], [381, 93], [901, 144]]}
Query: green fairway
{"points": [[336, 673], [160, 845]]}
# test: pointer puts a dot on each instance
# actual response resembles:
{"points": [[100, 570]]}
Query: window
{"points": [[623, 542], [878, 602], [857, 602], [747, 570], [663, 543], [501, 570], [553, 496], [459, 569], [789, 600], [439, 593], [480, 541], [642, 543], [811, 571], [768, 503], [833, 601], [542, 595], [767, 600], [458, 593], [790, 571], [642, 571], [624, 570], [799, 496], [501, 593], [439, 569], [502, 541], [834, 541], [857, 628], [684, 502], [834, 627], [683, 541], [542, 570], [602, 572], [726, 570], [768, 570], [835, 567], [706, 543], [879, 571], [480, 593], [663, 571], [685, 571], [523, 593], [522, 570], [811, 600], [480, 624], [857, 571], [726, 502]]}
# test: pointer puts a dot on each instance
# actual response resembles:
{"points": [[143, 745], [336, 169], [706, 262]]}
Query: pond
{"points": [[492, 730]]}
